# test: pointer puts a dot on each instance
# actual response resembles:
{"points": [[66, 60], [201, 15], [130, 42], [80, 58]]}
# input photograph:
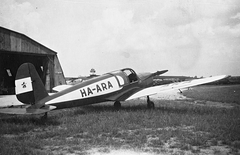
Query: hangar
{"points": [[16, 49]]}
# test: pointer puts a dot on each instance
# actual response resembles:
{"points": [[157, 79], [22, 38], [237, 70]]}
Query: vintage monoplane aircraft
{"points": [[120, 85]]}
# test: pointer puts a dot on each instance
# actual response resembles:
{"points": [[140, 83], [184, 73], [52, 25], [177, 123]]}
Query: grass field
{"points": [[223, 93], [173, 127]]}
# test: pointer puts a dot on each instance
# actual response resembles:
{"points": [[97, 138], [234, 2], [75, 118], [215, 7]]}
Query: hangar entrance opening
{"points": [[9, 64]]}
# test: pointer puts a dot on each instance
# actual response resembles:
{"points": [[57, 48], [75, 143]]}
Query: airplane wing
{"points": [[173, 86]]}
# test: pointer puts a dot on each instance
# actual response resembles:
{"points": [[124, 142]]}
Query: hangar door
{"points": [[46, 66]]}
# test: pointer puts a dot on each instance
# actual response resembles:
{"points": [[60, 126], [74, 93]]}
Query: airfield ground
{"points": [[206, 120]]}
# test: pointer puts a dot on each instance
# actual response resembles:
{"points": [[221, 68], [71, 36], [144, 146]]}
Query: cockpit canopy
{"points": [[131, 74]]}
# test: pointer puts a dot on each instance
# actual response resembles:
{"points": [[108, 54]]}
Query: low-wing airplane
{"points": [[116, 86]]}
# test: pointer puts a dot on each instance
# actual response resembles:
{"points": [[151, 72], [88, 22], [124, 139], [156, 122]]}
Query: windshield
{"points": [[131, 75]]}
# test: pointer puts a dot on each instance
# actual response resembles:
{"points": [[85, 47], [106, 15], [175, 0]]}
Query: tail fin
{"points": [[29, 87]]}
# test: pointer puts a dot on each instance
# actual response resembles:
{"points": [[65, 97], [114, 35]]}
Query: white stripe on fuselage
{"points": [[102, 87]]}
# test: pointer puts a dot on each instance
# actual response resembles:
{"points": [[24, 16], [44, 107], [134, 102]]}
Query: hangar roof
{"points": [[12, 41]]}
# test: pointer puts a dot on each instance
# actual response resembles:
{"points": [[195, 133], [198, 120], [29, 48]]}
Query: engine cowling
{"points": [[146, 80]]}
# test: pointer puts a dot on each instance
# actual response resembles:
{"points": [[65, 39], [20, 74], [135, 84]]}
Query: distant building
{"points": [[16, 49], [160, 80], [79, 79]]}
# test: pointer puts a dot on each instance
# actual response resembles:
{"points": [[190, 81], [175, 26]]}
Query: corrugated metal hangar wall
{"points": [[16, 49]]}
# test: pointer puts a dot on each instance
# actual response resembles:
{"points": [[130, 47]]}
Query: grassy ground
{"points": [[174, 127], [222, 93]]}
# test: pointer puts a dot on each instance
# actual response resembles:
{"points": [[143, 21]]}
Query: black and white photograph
{"points": [[113, 77]]}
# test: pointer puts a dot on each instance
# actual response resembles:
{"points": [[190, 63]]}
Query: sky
{"points": [[187, 37]]}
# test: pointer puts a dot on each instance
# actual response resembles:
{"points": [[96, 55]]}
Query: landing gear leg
{"points": [[117, 105], [44, 117], [150, 104]]}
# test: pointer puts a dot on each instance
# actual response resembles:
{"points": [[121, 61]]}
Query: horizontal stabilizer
{"points": [[28, 110]]}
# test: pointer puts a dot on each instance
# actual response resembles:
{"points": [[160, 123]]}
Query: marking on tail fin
{"points": [[23, 85]]}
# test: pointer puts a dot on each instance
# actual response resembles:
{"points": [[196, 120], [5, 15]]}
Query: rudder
{"points": [[28, 85]]}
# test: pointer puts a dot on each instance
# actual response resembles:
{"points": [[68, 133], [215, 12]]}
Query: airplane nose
{"points": [[147, 79]]}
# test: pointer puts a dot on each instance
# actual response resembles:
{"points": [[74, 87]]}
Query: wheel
{"points": [[150, 105], [44, 117], [117, 105]]}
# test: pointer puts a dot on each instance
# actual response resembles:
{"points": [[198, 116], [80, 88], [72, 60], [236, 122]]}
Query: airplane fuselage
{"points": [[115, 86]]}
